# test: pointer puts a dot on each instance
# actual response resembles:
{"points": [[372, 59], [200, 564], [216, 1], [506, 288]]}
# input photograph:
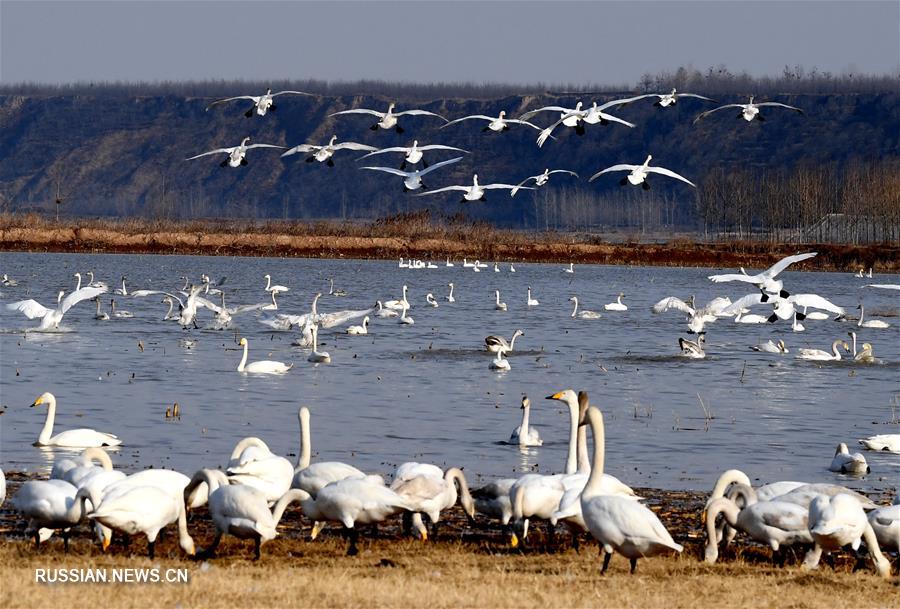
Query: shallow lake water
{"points": [[425, 393]]}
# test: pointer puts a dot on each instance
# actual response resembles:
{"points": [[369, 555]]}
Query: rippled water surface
{"points": [[425, 393]]}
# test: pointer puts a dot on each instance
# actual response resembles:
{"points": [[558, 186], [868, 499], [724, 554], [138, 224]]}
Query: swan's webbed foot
{"points": [[606, 559], [249, 113], [330, 162], [579, 129], [243, 162], [398, 129], [256, 547], [633, 565], [273, 108], [374, 127], [151, 549], [645, 185], [352, 549]]}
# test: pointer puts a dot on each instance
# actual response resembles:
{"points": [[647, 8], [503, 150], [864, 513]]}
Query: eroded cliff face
{"points": [[125, 154]]}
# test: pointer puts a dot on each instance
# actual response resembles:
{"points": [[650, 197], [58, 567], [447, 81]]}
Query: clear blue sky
{"points": [[433, 40]]}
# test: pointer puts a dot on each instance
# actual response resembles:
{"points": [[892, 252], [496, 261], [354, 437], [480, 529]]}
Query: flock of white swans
{"points": [[248, 492]]}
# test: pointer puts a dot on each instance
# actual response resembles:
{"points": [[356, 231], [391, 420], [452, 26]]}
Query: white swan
{"points": [[262, 104], [122, 314], [770, 347], [429, 298], [883, 286], [540, 179], [819, 355], [8, 282], [240, 510], [796, 326], [835, 522], [262, 366], [619, 524], [253, 464], [274, 288], [495, 343], [449, 296], [846, 462], [887, 442], [360, 330], [499, 306], [496, 124], [885, 522], [745, 317], [123, 291], [102, 316], [492, 500], [574, 117], [669, 99], [412, 180], [413, 154], [429, 494], [48, 504], [638, 174], [51, 318], [618, 305], [404, 318], [583, 314], [324, 153], [317, 357], [749, 111], [496, 268], [498, 363], [448, 263], [693, 349], [525, 434], [766, 280], [697, 318], [872, 323], [388, 120], [475, 192], [531, 302], [512, 269], [865, 354], [570, 268], [237, 155], [382, 312], [73, 438], [399, 304]]}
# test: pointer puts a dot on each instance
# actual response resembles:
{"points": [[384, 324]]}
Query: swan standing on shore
{"points": [[262, 366], [638, 174], [412, 180], [262, 104], [324, 153], [72, 438], [525, 434], [48, 505], [496, 343], [388, 120], [582, 314], [236, 154], [749, 111], [429, 494]]}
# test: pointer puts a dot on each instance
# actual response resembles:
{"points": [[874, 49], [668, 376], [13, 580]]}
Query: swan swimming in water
{"points": [[496, 343], [51, 318], [74, 438], [360, 330], [872, 323], [887, 442], [404, 318], [262, 366], [498, 363], [499, 306], [693, 349], [582, 314], [317, 357], [846, 462], [819, 355], [770, 347], [429, 298], [449, 296], [525, 434], [618, 305], [531, 302]]}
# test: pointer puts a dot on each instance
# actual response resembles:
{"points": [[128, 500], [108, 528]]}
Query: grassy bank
{"points": [[414, 235]]}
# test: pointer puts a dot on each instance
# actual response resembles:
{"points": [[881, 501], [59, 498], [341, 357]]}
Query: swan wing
{"points": [[420, 113], [419, 488], [503, 186], [627, 100], [265, 146], [562, 171], [883, 286], [473, 116], [294, 93], [784, 516], [228, 99], [814, 301], [358, 111], [615, 119], [694, 95], [531, 113], [786, 262], [78, 295], [396, 172], [708, 112], [672, 302], [444, 189], [620, 167], [742, 303], [442, 147], [518, 121], [431, 168], [31, 308], [735, 277], [203, 302], [216, 151], [780, 105], [353, 146], [671, 174], [403, 149]]}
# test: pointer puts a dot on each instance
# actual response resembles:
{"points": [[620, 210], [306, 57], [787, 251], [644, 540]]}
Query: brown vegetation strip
{"points": [[412, 235]]}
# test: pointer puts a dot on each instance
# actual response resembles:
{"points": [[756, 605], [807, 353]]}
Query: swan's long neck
{"points": [[246, 443], [619, 299], [571, 456], [853, 336], [76, 511], [834, 349], [729, 477], [523, 429], [862, 312], [168, 313], [184, 538], [243, 363], [124, 289], [575, 310], [274, 304], [730, 511], [47, 431], [268, 283], [584, 459], [451, 290], [595, 480], [289, 497], [512, 341], [497, 294], [465, 497], [98, 454], [78, 286], [213, 479], [314, 304], [98, 307], [305, 443]]}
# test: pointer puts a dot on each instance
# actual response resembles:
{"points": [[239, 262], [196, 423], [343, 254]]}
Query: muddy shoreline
{"points": [[521, 247]]}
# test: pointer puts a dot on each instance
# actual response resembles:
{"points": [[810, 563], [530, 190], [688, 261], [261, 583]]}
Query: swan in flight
{"points": [[846, 462], [496, 124], [429, 298], [818, 355], [582, 314], [496, 344], [770, 347], [766, 280], [669, 99], [449, 296], [835, 522], [531, 302], [498, 363], [619, 524], [323, 153], [639, 174], [273, 288], [576, 116], [525, 434], [236, 154], [785, 308], [72, 438], [749, 111], [475, 192], [693, 349], [262, 366], [499, 306], [888, 442], [412, 180], [413, 154], [318, 357], [618, 305], [388, 120], [872, 323], [697, 318], [51, 318], [261, 103], [360, 330]]}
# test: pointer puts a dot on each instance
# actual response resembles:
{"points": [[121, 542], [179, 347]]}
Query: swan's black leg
{"points": [[256, 547], [645, 185], [37, 539], [223, 163], [374, 127], [579, 129], [623, 181], [406, 517], [210, 552], [606, 559], [273, 108], [434, 530], [65, 536], [151, 548], [249, 113], [243, 162], [398, 129], [551, 535], [353, 534], [330, 162], [633, 565]]}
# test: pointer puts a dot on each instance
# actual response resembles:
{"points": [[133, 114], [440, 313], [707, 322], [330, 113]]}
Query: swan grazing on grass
{"points": [[413, 154], [496, 343], [388, 120], [838, 521], [323, 153], [237, 155], [766, 280], [770, 347], [819, 355], [846, 462], [51, 318], [525, 434], [449, 296], [496, 124], [48, 505], [475, 192], [693, 349], [582, 314], [262, 366], [412, 180], [428, 490], [749, 111], [261, 103], [540, 179], [618, 305], [317, 357], [872, 323], [619, 524], [72, 438], [240, 510], [887, 442], [360, 330], [498, 363], [638, 174], [498, 306]]}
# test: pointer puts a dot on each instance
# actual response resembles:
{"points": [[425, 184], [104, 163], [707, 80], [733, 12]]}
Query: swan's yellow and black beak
{"points": [[317, 528], [514, 541], [107, 539], [424, 535], [556, 396], [37, 402]]}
